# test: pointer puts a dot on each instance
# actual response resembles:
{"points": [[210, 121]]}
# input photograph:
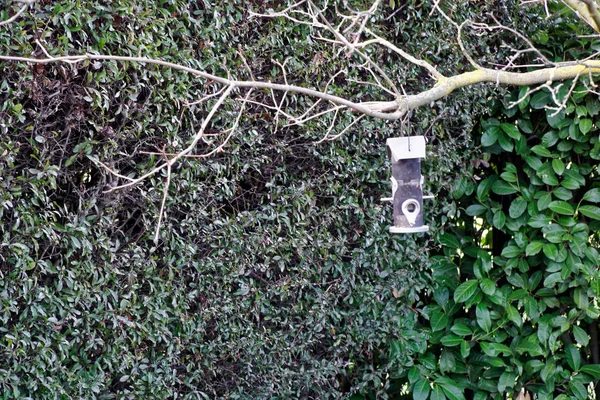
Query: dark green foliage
{"points": [[274, 276]]}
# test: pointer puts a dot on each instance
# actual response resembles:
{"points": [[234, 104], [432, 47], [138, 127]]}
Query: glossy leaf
{"points": [[465, 291]]}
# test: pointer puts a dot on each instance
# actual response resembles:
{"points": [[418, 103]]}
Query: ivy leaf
{"points": [[465, 291], [561, 207], [590, 211]]}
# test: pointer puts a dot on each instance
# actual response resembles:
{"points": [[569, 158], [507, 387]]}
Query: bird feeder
{"points": [[407, 183]]}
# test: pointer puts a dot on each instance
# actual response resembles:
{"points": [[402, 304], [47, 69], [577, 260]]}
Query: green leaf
{"points": [[590, 212], [533, 248], [585, 125], [573, 356], [465, 291], [505, 142], [511, 252], [533, 162], [514, 316], [438, 393], [550, 251], [421, 390], [530, 345], [570, 184], [449, 240], [552, 279], [484, 187], [561, 207], [541, 151], [460, 187], [439, 321], [592, 195], [451, 340], [540, 100], [593, 105], [475, 209], [592, 369], [465, 349], [503, 188], [558, 166], [483, 317], [461, 329], [490, 136], [581, 336], [517, 207], [507, 380], [499, 219], [511, 130], [488, 286], [495, 349], [578, 390], [451, 388], [539, 221], [549, 139]]}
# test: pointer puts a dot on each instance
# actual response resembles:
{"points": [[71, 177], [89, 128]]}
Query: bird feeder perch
{"points": [[407, 183]]}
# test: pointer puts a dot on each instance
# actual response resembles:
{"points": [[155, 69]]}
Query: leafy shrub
{"points": [[514, 300]]}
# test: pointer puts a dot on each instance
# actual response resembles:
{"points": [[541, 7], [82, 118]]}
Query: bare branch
{"points": [[421, 63], [164, 200], [18, 13], [384, 109], [587, 10]]}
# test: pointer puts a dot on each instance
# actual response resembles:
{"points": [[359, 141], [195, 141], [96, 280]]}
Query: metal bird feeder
{"points": [[407, 183]]}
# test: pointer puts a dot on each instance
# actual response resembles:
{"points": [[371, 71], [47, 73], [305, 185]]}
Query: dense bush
{"points": [[513, 305], [274, 275]]}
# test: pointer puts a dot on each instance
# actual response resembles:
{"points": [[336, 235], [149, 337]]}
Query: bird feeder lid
{"points": [[403, 148]]}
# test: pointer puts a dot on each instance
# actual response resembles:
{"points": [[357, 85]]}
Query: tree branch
{"points": [[587, 10]]}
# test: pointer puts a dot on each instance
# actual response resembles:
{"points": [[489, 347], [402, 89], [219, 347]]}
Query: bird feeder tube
{"points": [[407, 183]]}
